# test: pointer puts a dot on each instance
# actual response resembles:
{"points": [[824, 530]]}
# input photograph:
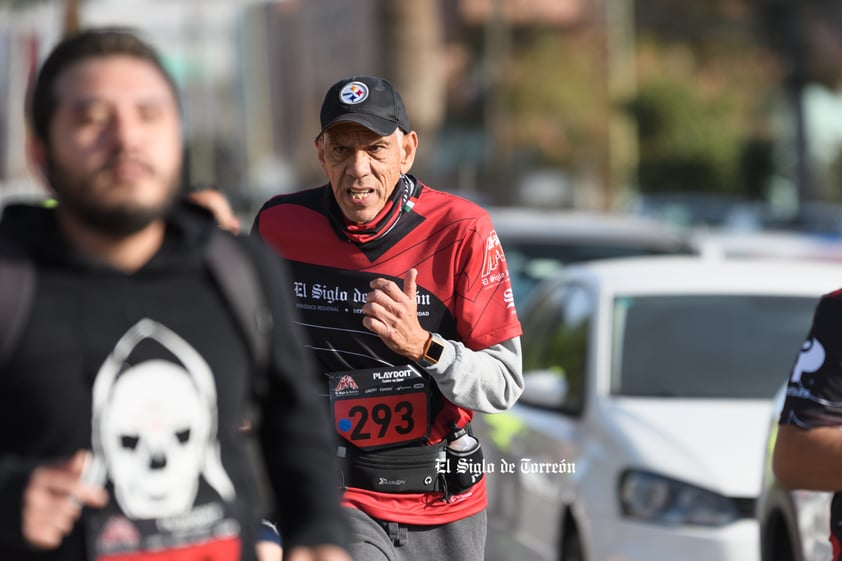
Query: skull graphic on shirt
{"points": [[155, 426], [153, 436]]}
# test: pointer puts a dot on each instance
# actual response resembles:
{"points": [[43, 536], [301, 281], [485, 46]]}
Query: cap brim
{"points": [[379, 125]]}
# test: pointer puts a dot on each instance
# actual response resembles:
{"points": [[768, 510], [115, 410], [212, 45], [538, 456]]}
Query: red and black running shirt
{"points": [[464, 294]]}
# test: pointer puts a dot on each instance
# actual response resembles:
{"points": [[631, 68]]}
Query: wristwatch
{"points": [[432, 350]]}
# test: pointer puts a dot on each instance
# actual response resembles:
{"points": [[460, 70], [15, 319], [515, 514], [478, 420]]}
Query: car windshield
{"points": [[531, 262], [722, 346]]}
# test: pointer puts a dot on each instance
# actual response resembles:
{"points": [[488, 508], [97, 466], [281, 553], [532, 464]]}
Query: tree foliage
{"points": [[553, 99], [697, 112], [704, 82]]}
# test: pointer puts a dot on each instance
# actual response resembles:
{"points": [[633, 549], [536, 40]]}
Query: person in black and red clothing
{"points": [[406, 296]]}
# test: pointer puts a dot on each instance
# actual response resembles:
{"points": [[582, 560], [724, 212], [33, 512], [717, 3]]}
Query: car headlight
{"points": [[654, 498]]}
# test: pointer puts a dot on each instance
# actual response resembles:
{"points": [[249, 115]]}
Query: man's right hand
{"points": [[53, 500]]}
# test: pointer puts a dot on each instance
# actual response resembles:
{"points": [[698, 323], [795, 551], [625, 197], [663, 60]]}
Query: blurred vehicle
{"points": [[640, 434], [815, 217], [794, 525], [538, 243], [701, 209], [770, 243]]}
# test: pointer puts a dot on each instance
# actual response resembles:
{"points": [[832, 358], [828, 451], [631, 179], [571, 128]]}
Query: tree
{"points": [[412, 54], [806, 36], [699, 94]]}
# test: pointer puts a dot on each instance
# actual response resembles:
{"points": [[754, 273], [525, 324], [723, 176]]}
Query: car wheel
{"points": [[571, 544], [777, 545]]}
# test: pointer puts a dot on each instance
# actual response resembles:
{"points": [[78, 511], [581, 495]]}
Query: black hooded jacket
{"points": [[81, 309]]}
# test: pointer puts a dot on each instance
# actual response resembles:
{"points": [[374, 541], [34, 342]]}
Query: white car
{"points": [[539, 242], [794, 525], [781, 244], [640, 435]]}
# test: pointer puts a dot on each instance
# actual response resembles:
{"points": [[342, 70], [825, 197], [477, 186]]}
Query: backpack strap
{"points": [[17, 288], [236, 274]]}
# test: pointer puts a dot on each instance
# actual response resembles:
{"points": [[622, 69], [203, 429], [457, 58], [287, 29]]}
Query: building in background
{"points": [[290, 53], [23, 37], [555, 103]]}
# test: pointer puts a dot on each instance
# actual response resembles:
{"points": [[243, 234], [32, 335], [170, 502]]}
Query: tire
{"points": [[571, 544], [777, 545]]}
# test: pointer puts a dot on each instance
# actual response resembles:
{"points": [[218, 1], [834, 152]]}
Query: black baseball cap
{"points": [[370, 101]]}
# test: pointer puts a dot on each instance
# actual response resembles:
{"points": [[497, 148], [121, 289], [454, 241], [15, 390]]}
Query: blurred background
{"points": [[703, 111], [719, 119]]}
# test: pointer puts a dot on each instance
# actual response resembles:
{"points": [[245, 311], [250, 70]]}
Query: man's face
{"points": [[114, 149], [363, 167]]}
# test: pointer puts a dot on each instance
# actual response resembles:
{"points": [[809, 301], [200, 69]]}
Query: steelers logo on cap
{"points": [[353, 93]]}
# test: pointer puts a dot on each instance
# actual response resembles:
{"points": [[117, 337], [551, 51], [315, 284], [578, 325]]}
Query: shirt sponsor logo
{"points": [[326, 297], [809, 360], [509, 298], [393, 482], [117, 533], [492, 261]]}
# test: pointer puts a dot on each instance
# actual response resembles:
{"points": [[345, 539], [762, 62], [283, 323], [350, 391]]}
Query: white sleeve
{"points": [[488, 380]]}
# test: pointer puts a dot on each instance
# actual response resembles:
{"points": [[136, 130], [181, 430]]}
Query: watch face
{"points": [[434, 352]]}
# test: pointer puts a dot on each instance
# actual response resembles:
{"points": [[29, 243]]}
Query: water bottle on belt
{"points": [[465, 460]]}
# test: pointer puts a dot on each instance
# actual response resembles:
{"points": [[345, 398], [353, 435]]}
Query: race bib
{"points": [[380, 407]]}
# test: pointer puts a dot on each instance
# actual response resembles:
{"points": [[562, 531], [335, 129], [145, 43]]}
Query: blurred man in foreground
{"points": [[122, 399]]}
